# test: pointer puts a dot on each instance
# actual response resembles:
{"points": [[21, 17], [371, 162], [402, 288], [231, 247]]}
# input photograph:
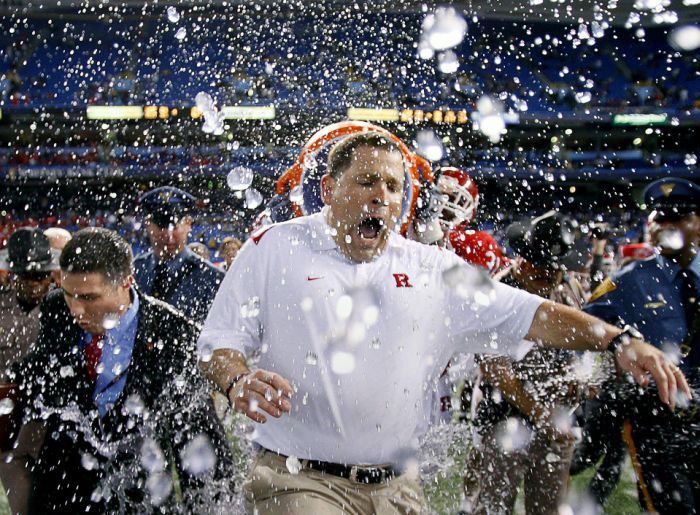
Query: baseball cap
{"points": [[548, 241], [28, 251], [672, 198], [166, 205]]}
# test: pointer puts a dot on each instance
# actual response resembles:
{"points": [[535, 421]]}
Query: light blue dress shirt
{"points": [[117, 347]]}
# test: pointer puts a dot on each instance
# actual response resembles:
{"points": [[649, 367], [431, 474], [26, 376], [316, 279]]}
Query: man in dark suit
{"points": [[113, 374], [170, 271]]}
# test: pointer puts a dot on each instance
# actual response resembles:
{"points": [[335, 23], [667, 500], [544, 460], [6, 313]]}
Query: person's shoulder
{"points": [[203, 266], [162, 312], [631, 271], [425, 255], [54, 300], [143, 258], [617, 286], [297, 230]]}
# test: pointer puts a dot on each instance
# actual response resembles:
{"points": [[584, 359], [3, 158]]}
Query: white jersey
{"points": [[361, 343]]}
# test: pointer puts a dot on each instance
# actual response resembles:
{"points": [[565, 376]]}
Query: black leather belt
{"points": [[367, 474]]}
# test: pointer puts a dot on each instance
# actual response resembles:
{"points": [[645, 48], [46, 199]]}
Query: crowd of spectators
{"points": [[539, 68]]}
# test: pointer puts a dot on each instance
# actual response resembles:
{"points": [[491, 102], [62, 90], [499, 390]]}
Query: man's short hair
{"points": [[98, 250], [341, 155]]}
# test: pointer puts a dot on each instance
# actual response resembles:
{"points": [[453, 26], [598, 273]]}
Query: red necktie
{"points": [[93, 353]]}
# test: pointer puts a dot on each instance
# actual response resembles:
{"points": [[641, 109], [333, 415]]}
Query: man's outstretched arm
{"points": [[248, 391], [559, 326]]}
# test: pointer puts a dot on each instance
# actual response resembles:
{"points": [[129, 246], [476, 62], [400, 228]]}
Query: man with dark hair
{"points": [[113, 375], [533, 396], [171, 271], [31, 262], [351, 326]]}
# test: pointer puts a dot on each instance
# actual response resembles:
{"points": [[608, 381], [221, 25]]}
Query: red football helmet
{"points": [[462, 197]]}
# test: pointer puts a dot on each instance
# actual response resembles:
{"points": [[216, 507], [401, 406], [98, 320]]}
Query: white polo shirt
{"points": [[305, 311]]}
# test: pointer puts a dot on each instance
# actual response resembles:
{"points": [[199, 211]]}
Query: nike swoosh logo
{"points": [[309, 278]]}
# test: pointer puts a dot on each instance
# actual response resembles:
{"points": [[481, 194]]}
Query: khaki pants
{"points": [[272, 489], [543, 465]]}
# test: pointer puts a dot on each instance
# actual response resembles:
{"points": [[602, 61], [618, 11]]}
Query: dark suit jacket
{"points": [[164, 400], [192, 290]]}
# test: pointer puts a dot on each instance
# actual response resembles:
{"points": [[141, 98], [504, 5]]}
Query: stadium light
{"points": [[114, 112], [373, 115], [249, 112]]}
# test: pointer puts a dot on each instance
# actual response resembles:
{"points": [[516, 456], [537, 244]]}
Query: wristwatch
{"points": [[623, 338]]}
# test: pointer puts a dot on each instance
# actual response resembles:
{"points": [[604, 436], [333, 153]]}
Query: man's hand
{"points": [[644, 362], [261, 391]]}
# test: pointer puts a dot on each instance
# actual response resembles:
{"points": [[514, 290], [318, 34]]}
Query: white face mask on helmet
{"points": [[461, 197]]}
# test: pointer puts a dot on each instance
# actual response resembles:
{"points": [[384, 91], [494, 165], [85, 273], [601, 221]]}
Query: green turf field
{"points": [[444, 494]]}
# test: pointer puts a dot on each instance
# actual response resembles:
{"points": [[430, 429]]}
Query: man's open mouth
{"points": [[370, 228]]}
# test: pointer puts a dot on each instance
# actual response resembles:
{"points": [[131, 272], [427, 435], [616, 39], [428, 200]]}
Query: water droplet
{"points": [[551, 457], [198, 456], [293, 465], [253, 198], [206, 351], [88, 461], [307, 304], [152, 458], [671, 239], [685, 38], [6, 406], [240, 178], [444, 28], [133, 405], [344, 307], [429, 146], [66, 371], [583, 97], [181, 33], [342, 362], [250, 308], [448, 62], [375, 343], [159, 486], [204, 102], [117, 369], [173, 15], [311, 359], [110, 321]]}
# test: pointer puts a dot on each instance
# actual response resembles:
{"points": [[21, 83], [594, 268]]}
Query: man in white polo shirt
{"points": [[350, 325]]}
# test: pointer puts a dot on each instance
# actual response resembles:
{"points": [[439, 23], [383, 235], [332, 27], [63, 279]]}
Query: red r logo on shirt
{"points": [[402, 281]]}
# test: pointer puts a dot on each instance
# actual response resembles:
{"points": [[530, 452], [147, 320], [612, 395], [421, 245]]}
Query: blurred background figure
{"points": [[170, 271], [522, 419], [58, 237], [229, 249], [659, 297], [200, 249], [31, 261]]}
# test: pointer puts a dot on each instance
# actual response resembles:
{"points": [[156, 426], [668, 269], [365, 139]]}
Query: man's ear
{"points": [[128, 281], [327, 186], [188, 221]]}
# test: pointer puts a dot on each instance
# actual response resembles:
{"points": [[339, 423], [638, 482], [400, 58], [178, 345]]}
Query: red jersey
{"points": [[478, 248]]}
